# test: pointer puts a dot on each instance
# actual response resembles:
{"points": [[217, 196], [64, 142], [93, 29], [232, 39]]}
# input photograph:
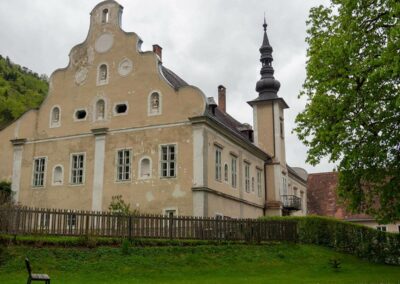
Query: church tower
{"points": [[269, 133]]}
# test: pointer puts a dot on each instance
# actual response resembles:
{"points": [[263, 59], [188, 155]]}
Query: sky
{"points": [[206, 42]]}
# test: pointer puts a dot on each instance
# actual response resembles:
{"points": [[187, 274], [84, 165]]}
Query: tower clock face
{"points": [[81, 75]]}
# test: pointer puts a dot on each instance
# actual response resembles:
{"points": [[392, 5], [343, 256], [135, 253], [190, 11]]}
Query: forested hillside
{"points": [[20, 90]]}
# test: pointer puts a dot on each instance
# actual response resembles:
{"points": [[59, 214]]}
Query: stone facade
{"points": [[322, 200], [117, 122]]}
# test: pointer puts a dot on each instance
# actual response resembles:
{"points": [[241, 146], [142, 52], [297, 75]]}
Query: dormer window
{"points": [[105, 16], [102, 74], [55, 117]]}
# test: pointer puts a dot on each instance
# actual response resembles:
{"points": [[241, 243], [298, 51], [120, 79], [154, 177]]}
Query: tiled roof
{"points": [[173, 79]]}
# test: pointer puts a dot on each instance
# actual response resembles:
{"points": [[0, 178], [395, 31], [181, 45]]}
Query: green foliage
{"points": [[5, 192], [4, 254], [335, 264], [125, 247], [352, 115], [347, 237], [20, 90], [119, 206], [201, 264]]}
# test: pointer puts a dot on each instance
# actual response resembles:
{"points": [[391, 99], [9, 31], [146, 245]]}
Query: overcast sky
{"points": [[206, 42]]}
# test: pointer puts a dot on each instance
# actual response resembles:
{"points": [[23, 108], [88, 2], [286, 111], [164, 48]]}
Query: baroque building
{"points": [[116, 121]]}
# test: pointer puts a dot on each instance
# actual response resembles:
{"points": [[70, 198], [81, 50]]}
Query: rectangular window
{"points": [[123, 165], [284, 186], [381, 228], [234, 171], [168, 161], [77, 168], [39, 167], [218, 163], [71, 221], [247, 176], [259, 182], [44, 220]]}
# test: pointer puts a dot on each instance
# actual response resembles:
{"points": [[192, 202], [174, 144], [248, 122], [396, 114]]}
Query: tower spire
{"points": [[267, 86]]}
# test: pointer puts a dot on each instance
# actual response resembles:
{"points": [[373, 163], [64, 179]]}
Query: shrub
{"points": [[125, 247], [347, 237]]}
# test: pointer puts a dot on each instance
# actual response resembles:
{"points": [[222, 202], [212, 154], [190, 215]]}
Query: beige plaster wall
{"points": [[231, 208], [215, 140]]}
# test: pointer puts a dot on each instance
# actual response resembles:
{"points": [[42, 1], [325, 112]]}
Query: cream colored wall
{"points": [[20, 128], [57, 153], [263, 123], [231, 208], [215, 140], [151, 195]]}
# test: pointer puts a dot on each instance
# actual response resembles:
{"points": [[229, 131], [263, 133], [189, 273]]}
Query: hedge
{"points": [[359, 240]]}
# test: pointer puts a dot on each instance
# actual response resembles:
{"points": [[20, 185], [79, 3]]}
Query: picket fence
{"points": [[33, 221]]}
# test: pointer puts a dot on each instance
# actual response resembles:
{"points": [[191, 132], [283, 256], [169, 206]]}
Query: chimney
{"points": [[157, 50], [222, 98]]}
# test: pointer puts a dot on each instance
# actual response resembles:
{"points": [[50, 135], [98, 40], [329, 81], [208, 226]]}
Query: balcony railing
{"points": [[291, 202]]}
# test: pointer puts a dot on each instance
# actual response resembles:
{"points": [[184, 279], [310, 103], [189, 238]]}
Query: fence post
{"points": [[130, 227], [171, 222], [87, 225]]}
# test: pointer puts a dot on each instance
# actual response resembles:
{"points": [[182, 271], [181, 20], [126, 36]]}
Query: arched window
{"points": [[55, 117], [155, 103], [103, 74], [226, 172], [58, 175], [145, 168], [100, 110], [105, 16]]}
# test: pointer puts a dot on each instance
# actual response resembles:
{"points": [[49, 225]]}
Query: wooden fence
{"points": [[30, 221]]}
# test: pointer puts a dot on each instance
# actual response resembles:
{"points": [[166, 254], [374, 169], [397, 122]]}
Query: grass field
{"points": [[273, 263]]}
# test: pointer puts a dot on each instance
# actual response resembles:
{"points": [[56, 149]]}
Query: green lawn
{"points": [[274, 263]]}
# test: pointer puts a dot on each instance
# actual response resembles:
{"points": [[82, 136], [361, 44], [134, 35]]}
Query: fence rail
{"points": [[28, 221]]}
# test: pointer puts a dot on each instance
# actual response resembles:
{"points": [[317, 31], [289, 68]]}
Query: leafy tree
{"points": [[352, 114], [5, 192], [20, 90], [119, 206]]}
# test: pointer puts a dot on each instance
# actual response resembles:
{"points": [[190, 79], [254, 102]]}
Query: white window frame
{"points": [[117, 165], [259, 182], [140, 168], [43, 185], [234, 161], [95, 118], [170, 209], [149, 112], [55, 124], [53, 175], [284, 185], [44, 220], [83, 169], [218, 163], [115, 113], [103, 82], [247, 176], [168, 161], [69, 222]]}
